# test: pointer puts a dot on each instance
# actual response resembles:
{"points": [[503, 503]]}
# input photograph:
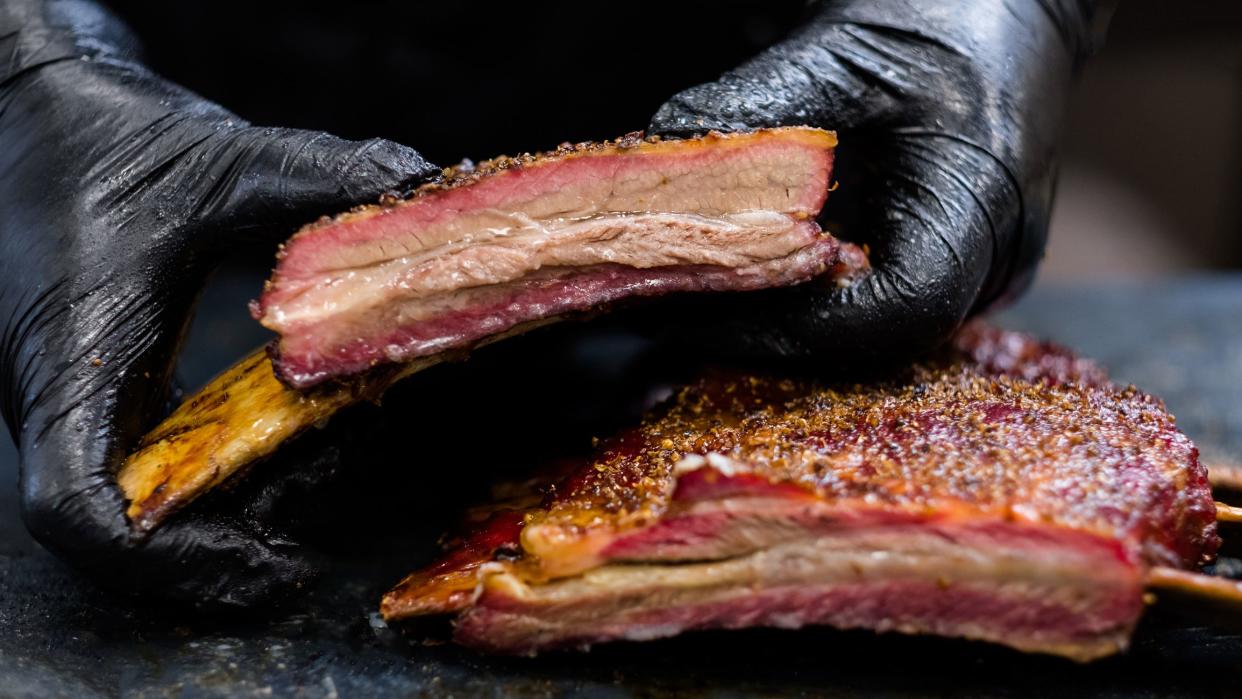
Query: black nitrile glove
{"points": [[948, 115], [119, 192]]}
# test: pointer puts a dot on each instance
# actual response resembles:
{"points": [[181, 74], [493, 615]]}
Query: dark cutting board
{"points": [[59, 636]]}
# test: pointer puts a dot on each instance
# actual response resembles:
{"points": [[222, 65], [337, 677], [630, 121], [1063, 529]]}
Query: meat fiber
{"points": [[1005, 491], [519, 239]]}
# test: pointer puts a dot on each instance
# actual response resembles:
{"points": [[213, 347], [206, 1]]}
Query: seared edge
{"points": [[632, 143]]}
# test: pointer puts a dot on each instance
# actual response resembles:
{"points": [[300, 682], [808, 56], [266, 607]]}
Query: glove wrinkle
{"points": [[948, 114], [119, 194]]}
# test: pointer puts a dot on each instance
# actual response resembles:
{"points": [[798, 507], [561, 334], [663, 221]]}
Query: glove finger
{"points": [[936, 213], [85, 388], [300, 487], [831, 75], [213, 562], [258, 184], [209, 561]]}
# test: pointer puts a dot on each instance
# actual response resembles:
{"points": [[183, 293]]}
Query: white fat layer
{"points": [[851, 557], [644, 601], [716, 460], [763, 179], [516, 247]]}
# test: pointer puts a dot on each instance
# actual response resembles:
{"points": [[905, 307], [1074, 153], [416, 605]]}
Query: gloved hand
{"points": [[119, 192], [948, 115]]}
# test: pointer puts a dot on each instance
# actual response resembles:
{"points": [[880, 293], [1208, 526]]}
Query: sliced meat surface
{"points": [[1003, 491], [519, 239]]}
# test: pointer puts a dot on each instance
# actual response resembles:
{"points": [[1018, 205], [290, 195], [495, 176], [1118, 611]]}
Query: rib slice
{"points": [[1004, 491], [337, 313], [519, 239]]}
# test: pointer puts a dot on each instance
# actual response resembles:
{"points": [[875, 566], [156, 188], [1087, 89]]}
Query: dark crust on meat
{"points": [[468, 173], [1019, 429], [335, 361], [1002, 425]]}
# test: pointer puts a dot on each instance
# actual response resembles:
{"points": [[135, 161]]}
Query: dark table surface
{"points": [[60, 636]]}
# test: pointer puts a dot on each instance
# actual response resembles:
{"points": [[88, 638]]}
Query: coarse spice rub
{"points": [[1004, 491], [519, 239], [371, 296], [1068, 448]]}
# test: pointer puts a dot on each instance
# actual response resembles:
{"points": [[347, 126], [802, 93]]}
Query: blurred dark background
{"points": [[1152, 152], [1151, 183]]}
